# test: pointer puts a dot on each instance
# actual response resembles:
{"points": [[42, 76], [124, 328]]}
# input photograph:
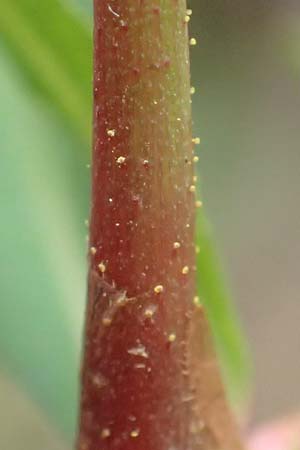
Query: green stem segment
{"points": [[150, 379]]}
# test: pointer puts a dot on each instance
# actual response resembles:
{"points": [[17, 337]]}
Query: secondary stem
{"points": [[150, 379]]}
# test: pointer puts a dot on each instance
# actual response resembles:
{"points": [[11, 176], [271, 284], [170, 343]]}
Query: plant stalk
{"points": [[150, 379]]}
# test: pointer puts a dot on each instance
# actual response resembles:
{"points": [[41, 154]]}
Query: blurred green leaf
{"points": [[214, 294], [288, 43], [52, 49], [23, 425], [42, 262]]}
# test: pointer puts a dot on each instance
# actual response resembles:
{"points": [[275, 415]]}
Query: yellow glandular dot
{"points": [[158, 289], [135, 433], [172, 337], [102, 267], [197, 303], [185, 270], [150, 311], [106, 321], [105, 433], [121, 160]]}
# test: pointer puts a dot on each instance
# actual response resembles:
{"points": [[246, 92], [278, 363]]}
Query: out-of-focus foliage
{"points": [[42, 249], [53, 48], [23, 425], [215, 295], [45, 83]]}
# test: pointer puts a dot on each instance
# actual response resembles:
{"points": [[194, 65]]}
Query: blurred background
{"points": [[246, 70]]}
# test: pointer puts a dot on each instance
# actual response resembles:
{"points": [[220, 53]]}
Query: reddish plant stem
{"points": [[150, 379]]}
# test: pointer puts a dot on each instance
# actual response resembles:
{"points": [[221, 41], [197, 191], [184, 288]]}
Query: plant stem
{"points": [[150, 380]]}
